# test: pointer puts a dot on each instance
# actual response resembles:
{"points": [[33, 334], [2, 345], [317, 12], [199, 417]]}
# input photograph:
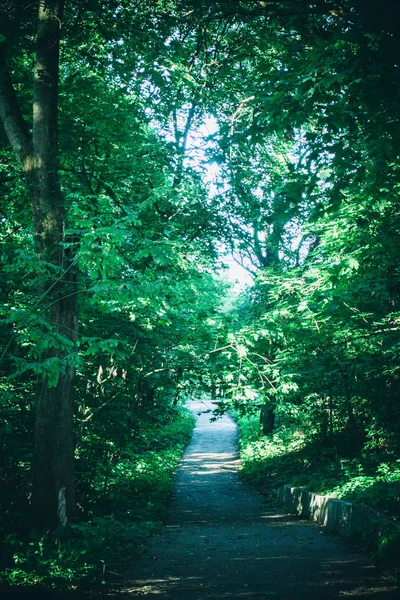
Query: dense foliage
{"points": [[124, 488], [313, 171], [190, 130]]}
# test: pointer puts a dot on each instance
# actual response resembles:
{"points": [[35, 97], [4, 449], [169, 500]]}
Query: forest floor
{"points": [[221, 542]]}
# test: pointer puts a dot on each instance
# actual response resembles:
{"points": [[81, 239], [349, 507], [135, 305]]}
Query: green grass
{"points": [[288, 457], [91, 552]]}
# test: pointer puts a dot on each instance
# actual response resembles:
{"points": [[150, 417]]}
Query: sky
{"points": [[198, 145]]}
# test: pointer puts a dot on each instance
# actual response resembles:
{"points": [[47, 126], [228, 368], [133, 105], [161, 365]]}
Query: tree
{"points": [[37, 152], [303, 146], [99, 203], [321, 316]]}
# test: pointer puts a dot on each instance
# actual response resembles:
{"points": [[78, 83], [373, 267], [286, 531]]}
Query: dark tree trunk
{"points": [[53, 468], [53, 498], [267, 418], [331, 419]]}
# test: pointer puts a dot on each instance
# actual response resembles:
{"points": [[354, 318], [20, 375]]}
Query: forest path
{"points": [[221, 543]]}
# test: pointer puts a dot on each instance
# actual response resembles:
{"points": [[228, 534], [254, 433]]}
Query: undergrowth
{"points": [[88, 552], [289, 457]]}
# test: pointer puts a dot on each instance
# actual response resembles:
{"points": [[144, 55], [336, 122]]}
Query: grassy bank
{"points": [[128, 501], [287, 457]]}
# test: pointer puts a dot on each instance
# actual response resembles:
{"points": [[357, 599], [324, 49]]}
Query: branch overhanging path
{"points": [[220, 542]]}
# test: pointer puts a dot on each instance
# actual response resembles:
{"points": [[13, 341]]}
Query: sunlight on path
{"points": [[221, 543]]}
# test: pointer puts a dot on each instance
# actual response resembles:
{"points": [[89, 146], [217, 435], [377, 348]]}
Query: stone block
{"points": [[344, 518], [339, 516]]}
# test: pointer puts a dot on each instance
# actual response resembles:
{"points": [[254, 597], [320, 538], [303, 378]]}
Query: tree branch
{"points": [[12, 119], [101, 407]]}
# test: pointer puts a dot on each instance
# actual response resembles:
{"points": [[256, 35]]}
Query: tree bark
{"points": [[267, 418], [53, 472], [53, 466]]}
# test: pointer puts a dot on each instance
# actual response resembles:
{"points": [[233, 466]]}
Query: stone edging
{"points": [[344, 518]]}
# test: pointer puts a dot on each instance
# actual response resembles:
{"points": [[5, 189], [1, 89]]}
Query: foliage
{"points": [[287, 457], [139, 485], [188, 131], [312, 187]]}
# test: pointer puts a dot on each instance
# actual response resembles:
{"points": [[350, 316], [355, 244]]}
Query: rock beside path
{"points": [[221, 543]]}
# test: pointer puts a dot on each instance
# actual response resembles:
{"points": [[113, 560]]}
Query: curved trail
{"points": [[221, 543]]}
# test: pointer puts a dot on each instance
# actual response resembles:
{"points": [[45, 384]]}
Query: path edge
{"points": [[348, 519]]}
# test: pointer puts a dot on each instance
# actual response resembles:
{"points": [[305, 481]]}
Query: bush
{"points": [[288, 457], [138, 492]]}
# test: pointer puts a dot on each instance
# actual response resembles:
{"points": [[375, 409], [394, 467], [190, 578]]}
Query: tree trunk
{"points": [[267, 418], [53, 473], [53, 498], [53, 468]]}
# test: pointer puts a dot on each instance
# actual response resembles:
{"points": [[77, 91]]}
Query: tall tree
{"points": [[37, 152]]}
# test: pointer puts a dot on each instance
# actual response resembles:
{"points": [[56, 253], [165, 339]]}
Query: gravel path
{"points": [[221, 543]]}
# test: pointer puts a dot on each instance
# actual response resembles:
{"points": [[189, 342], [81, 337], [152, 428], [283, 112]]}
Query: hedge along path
{"points": [[221, 543]]}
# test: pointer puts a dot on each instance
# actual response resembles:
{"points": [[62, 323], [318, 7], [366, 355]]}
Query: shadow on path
{"points": [[220, 542]]}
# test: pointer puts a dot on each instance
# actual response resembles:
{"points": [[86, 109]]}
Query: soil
{"points": [[222, 543]]}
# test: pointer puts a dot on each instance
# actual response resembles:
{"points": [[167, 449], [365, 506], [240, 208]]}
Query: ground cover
{"points": [[221, 541], [94, 548], [288, 457]]}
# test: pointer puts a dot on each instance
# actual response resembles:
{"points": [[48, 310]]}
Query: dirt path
{"points": [[220, 542]]}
